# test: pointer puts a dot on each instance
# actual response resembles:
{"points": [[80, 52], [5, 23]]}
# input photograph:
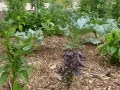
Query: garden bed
{"points": [[97, 75]]}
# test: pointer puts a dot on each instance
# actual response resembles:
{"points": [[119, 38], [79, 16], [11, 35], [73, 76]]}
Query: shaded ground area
{"points": [[46, 59]]}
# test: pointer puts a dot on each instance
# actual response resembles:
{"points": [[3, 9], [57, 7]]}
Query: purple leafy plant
{"points": [[72, 64]]}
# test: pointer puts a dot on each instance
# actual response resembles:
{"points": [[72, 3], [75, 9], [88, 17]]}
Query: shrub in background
{"points": [[93, 7]]}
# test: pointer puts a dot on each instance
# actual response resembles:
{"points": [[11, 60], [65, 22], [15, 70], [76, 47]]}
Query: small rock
{"points": [[90, 81], [53, 67]]}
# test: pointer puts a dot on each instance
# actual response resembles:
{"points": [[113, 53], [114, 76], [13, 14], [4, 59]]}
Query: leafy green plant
{"points": [[54, 17], [15, 8], [74, 37], [97, 26], [111, 46], [93, 7], [15, 66], [116, 10]]}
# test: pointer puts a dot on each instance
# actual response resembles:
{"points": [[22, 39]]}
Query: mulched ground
{"points": [[46, 59], [97, 75]]}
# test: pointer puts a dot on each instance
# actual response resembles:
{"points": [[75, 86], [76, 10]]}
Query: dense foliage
{"points": [[111, 46]]}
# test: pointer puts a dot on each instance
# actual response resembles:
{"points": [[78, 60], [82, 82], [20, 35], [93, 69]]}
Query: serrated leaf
{"points": [[3, 78], [16, 86], [113, 49], [24, 76]]}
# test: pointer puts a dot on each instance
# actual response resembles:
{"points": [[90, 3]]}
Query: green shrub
{"points": [[15, 8], [111, 46], [53, 17], [93, 7], [116, 9]]}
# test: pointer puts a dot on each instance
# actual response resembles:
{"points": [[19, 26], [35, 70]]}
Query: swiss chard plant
{"points": [[15, 67], [111, 46]]}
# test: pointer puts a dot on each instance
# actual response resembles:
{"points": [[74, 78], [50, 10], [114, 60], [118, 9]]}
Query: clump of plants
{"points": [[93, 7], [72, 64], [14, 67], [111, 46], [15, 8], [53, 17]]}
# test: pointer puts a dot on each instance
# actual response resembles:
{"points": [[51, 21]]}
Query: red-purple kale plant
{"points": [[72, 64]]}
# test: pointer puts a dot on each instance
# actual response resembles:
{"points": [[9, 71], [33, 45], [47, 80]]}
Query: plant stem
{"points": [[36, 8]]}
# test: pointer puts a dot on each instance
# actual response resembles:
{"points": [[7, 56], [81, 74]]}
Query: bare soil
{"points": [[46, 59]]}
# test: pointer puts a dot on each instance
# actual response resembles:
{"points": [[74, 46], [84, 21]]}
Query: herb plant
{"points": [[72, 64]]}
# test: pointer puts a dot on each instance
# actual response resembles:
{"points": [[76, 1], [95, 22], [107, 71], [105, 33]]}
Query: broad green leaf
{"points": [[20, 27], [27, 48], [24, 76], [100, 46], [3, 78], [108, 49], [92, 40], [113, 49], [16, 85]]}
